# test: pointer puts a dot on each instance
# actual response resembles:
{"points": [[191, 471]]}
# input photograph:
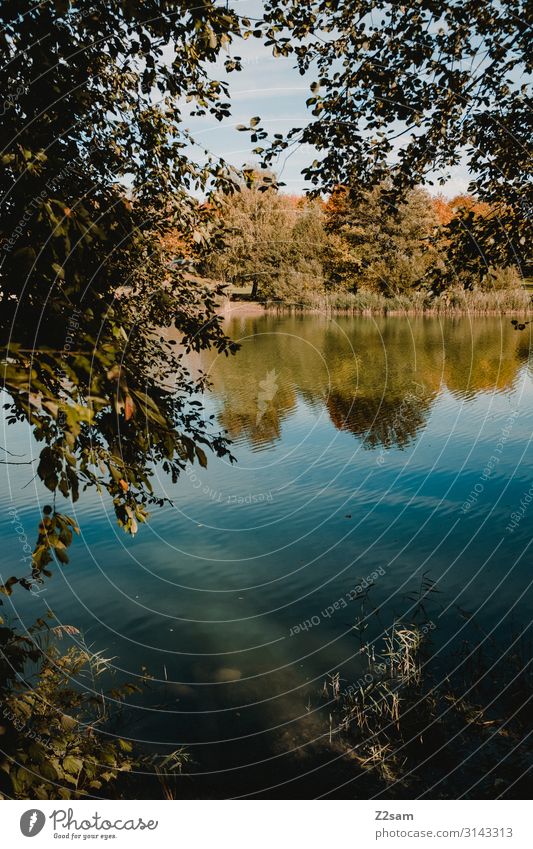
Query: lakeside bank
{"points": [[456, 303]]}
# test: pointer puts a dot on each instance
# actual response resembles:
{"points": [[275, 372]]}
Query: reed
{"points": [[415, 729], [455, 301]]}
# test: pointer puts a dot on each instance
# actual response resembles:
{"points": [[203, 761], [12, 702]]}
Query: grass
{"points": [[415, 729], [454, 301]]}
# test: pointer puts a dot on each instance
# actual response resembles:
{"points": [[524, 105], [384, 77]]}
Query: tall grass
{"points": [[416, 728], [456, 300]]}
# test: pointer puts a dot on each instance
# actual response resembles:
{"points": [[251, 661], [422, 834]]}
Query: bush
{"points": [[499, 279]]}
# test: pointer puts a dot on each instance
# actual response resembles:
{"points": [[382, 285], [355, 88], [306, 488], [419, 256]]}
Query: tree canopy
{"points": [[270, 241], [291, 248], [380, 249], [420, 87]]}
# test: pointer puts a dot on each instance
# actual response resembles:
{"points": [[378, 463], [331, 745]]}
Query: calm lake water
{"points": [[396, 446]]}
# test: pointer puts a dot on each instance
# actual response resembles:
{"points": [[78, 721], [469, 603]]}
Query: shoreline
{"points": [[254, 309]]}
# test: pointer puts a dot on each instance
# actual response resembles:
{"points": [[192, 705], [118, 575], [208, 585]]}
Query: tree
{"points": [[97, 168], [267, 239], [253, 234], [423, 84], [384, 250], [462, 219], [310, 241]]}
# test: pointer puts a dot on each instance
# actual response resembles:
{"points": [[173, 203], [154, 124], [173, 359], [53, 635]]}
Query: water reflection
{"points": [[376, 378], [211, 595]]}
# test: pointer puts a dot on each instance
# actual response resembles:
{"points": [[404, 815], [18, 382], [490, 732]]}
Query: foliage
{"points": [[54, 537], [58, 723], [501, 279], [376, 249], [270, 240], [86, 277], [292, 249], [422, 84], [463, 219], [55, 719]]}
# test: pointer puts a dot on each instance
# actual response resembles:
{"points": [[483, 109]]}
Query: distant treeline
{"points": [[285, 247]]}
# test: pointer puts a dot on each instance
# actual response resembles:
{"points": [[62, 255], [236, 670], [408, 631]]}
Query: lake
{"points": [[368, 452]]}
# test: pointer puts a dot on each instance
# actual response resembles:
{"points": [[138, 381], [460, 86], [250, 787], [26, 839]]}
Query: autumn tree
{"points": [[268, 240], [375, 248], [460, 219]]}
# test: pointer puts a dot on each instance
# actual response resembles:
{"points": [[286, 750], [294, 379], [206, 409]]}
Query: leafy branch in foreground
{"points": [[96, 314]]}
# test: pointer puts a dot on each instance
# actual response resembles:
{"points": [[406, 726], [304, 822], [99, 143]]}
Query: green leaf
{"points": [[72, 764], [68, 723], [47, 770]]}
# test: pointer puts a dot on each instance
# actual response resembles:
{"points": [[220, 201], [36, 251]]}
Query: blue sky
{"points": [[273, 89]]}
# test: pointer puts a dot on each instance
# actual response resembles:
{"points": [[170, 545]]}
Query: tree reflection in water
{"points": [[377, 377]]}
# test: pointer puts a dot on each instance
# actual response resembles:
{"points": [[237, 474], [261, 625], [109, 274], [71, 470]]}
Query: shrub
{"points": [[499, 278]]}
